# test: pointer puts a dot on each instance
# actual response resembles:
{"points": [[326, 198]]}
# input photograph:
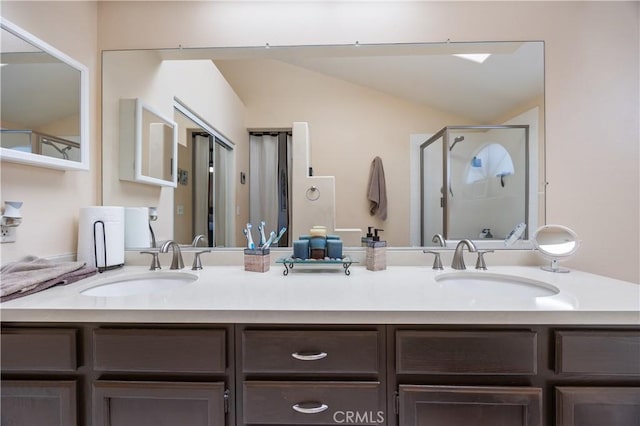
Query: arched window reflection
{"points": [[492, 160]]}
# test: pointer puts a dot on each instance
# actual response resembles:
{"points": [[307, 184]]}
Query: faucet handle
{"points": [[437, 263], [480, 264], [197, 263], [155, 261]]}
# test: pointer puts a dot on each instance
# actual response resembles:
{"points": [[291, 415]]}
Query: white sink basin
{"points": [[150, 282], [495, 286]]}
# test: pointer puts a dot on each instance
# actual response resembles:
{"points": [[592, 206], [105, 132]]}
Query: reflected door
{"points": [[432, 193], [210, 174], [270, 182], [202, 185]]}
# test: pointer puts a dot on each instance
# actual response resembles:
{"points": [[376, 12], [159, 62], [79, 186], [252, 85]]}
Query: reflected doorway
{"points": [[203, 198], [209, 165], [270, 182]]}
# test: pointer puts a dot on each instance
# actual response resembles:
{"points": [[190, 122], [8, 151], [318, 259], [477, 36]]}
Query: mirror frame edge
{"points": [[32, 159]]}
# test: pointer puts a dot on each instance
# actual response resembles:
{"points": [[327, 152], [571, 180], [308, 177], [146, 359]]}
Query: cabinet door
{"points": [[38, 402], [120, 403], [464, 406], [597, 406]]}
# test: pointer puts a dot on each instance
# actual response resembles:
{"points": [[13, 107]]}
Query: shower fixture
{"points": [[455, 141]]}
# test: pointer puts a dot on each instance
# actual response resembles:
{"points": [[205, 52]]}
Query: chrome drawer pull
{"points": [[309, 356], [318, 408]]}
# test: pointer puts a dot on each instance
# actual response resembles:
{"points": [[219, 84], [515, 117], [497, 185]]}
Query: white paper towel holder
{"points": [[101, 269]]}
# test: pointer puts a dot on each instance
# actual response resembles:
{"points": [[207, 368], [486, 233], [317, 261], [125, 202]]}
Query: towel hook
{"points": [[312, 193]]}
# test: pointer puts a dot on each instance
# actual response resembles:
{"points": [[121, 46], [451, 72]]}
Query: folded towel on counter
{"points": [[33, 274], [377, 190]]}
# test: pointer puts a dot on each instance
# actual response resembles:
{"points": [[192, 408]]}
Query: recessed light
{"points": [[475, 57]]}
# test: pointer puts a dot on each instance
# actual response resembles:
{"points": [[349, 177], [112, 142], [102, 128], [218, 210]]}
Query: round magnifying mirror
{"points": [[555, 242]]}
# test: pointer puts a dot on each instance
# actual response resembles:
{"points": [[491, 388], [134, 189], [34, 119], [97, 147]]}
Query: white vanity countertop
{"points": [[397, 295]]}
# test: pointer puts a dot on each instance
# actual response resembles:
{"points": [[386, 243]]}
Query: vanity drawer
{"points": [[598, 352], [310, 351], [466, 352], [160, 350], [38, 349], [301, 403]]}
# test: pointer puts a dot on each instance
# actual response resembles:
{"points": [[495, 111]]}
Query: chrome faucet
{"points": [[153, 236], [176, 261], [439, 239], [197, 239], [458, 257]]}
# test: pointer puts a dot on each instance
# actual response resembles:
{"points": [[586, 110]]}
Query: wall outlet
{"points": [[7, 234]]}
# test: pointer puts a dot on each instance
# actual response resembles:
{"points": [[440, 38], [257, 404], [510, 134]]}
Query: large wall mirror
{"points": [[44, 111], [361, 101]]}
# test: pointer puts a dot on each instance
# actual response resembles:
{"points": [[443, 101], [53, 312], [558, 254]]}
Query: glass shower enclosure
{"points": [[475, 182]]}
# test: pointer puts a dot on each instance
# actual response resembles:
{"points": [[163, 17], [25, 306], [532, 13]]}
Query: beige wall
{"points": [[52, 198], [591, 76]]}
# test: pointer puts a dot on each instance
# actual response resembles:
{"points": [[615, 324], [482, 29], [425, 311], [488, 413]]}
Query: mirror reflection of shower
{"points": [[486, 182], [455, 141]]}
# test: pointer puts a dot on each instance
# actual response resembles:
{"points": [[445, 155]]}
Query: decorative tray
{"points": [[288, 263]]}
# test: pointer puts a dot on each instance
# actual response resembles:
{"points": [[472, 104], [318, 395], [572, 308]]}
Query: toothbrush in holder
{"points": [[250, 244], [263, 239], [280, 234], [272, 237]]}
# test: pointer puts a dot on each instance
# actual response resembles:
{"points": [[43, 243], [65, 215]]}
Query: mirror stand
{"points": [[555, 267], [555, 242]]}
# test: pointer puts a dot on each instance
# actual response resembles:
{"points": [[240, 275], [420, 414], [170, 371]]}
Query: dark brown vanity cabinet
{"points": [[597, 406], [465, 405], [40, 378], [462, 352], [158, 403], [599, 358], [38, 402], [311, 375], [161, 376], [462, 377], [597, 353], [283, 374]]}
